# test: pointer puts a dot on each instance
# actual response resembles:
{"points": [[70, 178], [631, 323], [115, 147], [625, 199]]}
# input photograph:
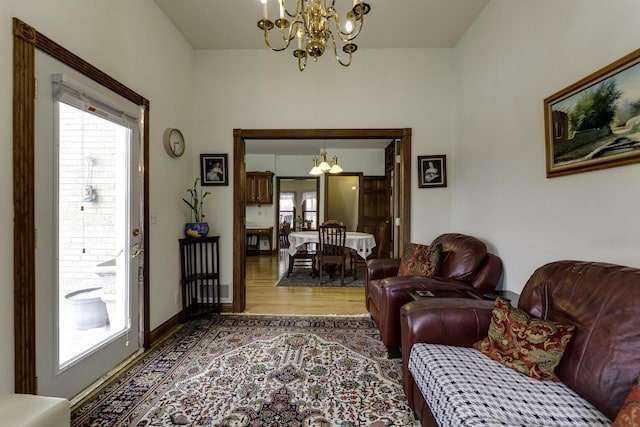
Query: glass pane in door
{"points": [[92, 224]]}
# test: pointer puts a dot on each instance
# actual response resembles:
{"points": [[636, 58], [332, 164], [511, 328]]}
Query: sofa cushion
{"points": [[528, 345], [465, 388], [420, 260], [629, 415]]}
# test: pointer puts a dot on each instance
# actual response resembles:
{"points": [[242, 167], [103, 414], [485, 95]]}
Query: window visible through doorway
{"points": [[309, 209], [287, 207]]}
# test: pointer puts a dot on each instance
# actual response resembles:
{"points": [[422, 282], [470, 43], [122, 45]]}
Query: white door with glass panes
{"points": [[88, 201]]}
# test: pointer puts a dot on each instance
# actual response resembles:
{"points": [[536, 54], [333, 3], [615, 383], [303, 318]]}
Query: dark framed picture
{"points": [[432, 171], [214, 169], [595, 123]]}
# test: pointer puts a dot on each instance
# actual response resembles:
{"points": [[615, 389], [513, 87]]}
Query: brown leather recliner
{"points": [[465, 264]]}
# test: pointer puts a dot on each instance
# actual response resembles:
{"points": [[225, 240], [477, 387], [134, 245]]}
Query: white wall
{"points": [[136, 44], [260, 89], [517, 53]]}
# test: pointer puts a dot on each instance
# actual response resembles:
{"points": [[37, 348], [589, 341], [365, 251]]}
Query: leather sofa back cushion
{"points": [[602, 361], [462, 256], [527, 345], [420, 260]]}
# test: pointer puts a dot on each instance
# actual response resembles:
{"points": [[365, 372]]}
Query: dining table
{"points": [[362, 243]]}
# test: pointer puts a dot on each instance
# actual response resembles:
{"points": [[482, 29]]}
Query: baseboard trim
{"points": [[165, 329], [168, 327]]}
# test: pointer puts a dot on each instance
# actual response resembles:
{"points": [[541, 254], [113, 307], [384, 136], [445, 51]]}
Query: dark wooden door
{"points": [[374, 203]]}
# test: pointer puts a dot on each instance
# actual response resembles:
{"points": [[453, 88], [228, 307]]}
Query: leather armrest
{"points": [[382, 267], [405, 284], [449, 321], [394, 293]]}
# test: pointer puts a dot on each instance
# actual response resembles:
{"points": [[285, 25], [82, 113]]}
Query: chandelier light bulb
{"points": [[324, 166], [315, 170], [335, 167], [349, 26]]}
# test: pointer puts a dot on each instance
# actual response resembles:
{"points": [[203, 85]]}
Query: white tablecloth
{"points": [[363, 243]]}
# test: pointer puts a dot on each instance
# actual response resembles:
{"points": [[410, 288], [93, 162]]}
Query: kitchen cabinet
{"points": [[259, 188]]}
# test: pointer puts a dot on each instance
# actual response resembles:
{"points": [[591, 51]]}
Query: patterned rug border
{"points": [[175, 354]]}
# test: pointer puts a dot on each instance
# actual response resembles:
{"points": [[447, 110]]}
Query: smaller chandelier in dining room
{"points": [[324, 166], [315, 23]]}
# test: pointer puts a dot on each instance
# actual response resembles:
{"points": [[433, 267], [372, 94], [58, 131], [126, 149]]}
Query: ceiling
{"points": [[231, 24]]}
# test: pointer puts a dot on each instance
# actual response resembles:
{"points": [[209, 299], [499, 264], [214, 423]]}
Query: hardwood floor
{"points": [[263, 297]]}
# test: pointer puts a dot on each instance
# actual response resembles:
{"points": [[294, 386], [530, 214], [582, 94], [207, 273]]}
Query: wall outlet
{"points": [[176, 297]]}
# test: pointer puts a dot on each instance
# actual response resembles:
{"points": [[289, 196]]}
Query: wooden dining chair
{"points": [[332, 221], [331, 240], [285, 229], [304, 256], [381, 250]]}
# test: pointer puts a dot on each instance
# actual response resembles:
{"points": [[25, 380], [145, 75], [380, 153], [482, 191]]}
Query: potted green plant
{"points": [[199, 228]]}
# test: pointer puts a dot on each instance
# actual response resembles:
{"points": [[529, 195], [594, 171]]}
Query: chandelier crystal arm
{"points": [[286, 11], [348, 50], [288, 33]]}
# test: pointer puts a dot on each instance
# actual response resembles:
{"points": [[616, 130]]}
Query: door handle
{"points": [[136, 250]]}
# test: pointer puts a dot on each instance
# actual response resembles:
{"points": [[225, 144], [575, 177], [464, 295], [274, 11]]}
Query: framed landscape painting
{"points": [[213, 169], [595, 123], [432, 171]]}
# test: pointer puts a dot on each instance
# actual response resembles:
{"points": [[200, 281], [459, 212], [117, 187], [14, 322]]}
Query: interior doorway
{"points": [[402, 196], [342, 198]]}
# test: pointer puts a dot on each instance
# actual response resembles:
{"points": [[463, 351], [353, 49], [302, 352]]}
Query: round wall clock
{"points": [[174, 142]]}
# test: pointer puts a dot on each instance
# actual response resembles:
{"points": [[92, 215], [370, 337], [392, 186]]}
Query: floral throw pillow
{"points": [[420, 260], [526, 344], [629, 415]]}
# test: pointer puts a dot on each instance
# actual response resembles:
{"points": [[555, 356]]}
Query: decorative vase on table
{"points": [[196, 229]]}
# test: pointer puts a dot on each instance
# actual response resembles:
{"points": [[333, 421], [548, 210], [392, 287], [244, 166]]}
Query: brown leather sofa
{"points": [[465, 264], [602, 359]]}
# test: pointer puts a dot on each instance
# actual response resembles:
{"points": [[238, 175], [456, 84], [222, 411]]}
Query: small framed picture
{"points": [[432, 171], [214, 169]]}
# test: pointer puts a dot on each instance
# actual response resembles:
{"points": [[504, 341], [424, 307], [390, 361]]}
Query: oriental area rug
{"points": [[302, 277], [258, 370]]}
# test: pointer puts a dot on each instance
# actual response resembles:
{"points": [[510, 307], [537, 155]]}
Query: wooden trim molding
{"points": [[239, 182], [239, 222], [23, 204], [25, 40]]}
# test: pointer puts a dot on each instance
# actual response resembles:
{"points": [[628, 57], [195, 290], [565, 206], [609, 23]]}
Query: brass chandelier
{"points": [[311, 24], [324, 166]]}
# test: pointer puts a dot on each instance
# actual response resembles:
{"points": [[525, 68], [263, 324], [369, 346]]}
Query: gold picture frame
{"points": [[595, 123]]}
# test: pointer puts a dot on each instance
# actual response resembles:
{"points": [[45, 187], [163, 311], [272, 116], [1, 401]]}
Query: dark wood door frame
{"points": [[240, 136], [25, 42]]}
